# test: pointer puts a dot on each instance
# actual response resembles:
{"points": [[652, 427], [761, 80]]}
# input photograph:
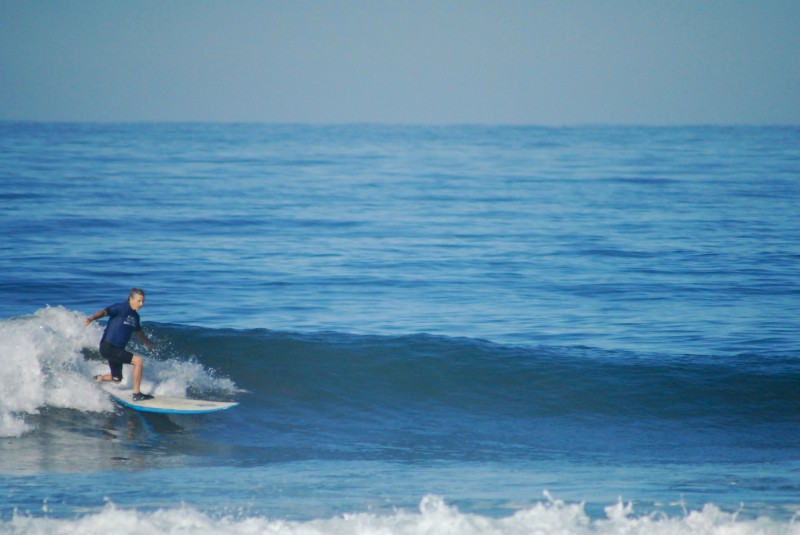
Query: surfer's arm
{"points": [[96, 316]]}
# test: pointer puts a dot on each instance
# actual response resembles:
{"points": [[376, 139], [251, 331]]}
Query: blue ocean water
{"points": [[460, 329]]}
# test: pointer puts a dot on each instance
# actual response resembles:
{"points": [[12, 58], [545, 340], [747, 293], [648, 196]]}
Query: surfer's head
{"points": [[136, 298]]}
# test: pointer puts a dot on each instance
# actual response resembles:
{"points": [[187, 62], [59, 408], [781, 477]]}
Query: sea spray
{"points": [[43, 366]]}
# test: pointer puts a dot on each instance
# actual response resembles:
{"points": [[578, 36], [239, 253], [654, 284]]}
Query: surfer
{"points": [[124, 321]]}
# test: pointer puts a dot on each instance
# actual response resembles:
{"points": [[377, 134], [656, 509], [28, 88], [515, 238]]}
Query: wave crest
{"points": [[50, 358]]}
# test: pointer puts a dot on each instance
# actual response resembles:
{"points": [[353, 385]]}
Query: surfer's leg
{"points": [[116, 371], [138, 364], [116, 358]]}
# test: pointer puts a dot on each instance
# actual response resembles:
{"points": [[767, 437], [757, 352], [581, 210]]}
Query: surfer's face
{"points": [[136, 301]]}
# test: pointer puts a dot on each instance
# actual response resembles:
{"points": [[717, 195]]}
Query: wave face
{"points": [[409, 398], [337, 395]]}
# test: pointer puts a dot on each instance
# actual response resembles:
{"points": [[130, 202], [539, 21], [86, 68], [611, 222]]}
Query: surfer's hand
{"points": [[86, 321]]}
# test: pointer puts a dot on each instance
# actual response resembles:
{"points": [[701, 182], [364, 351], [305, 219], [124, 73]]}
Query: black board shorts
{"points": [[116, 358]]}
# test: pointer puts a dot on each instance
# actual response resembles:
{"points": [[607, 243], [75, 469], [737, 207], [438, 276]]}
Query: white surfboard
{"points": [[166, 404]]}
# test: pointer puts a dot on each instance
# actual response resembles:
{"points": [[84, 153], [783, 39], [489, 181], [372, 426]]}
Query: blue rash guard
{"points": [[123, 322]]}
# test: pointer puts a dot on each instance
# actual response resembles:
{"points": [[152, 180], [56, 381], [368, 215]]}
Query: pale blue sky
{"points": [[406, 61]]}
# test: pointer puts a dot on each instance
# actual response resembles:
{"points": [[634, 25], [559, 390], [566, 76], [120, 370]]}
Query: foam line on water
{"points": [[434, 516]]}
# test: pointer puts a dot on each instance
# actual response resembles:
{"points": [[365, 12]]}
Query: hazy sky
{"points": [[404, 61]]}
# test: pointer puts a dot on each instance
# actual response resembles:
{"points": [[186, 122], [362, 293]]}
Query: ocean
{"points": [[429, 329]]}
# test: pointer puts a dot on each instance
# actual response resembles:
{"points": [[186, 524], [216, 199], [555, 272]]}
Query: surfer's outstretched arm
{"points": [[96, 316]]}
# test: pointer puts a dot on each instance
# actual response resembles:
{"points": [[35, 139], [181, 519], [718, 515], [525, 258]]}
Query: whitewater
{"points": [[456, 329]]}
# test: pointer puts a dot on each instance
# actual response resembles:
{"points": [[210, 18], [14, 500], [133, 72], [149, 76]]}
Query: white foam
{"points": [[174, 377], [434, 517], [43, 366]]}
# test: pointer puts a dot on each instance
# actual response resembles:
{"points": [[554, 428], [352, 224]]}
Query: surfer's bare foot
{"points": [[138, 396]]}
